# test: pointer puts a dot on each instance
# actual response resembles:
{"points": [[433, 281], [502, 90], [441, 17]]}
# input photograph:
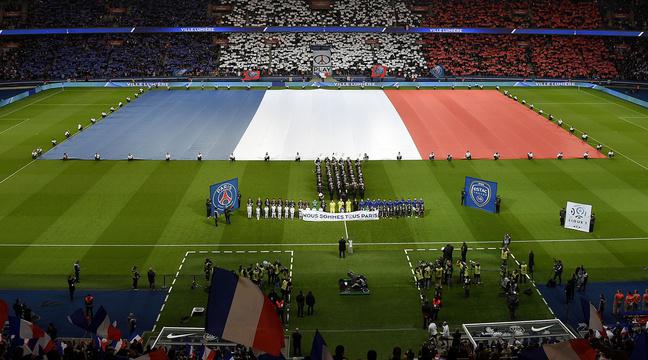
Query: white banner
{"points": [[314, 215], [322, 61], [578, 216]]}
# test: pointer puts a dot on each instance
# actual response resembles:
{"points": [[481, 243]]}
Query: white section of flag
{"points": [[326, 123]]}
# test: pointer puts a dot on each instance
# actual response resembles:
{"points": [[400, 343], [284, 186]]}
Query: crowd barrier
{"points": [[299, 85]]}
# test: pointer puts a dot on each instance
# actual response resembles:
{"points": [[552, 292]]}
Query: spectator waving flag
{"points": [[576, 349], [100, 324], [319, 350], [251, 75], [378, 71], [593, 318], [238, 311], [28, 331]]}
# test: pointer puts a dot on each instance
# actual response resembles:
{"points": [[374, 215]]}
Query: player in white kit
{"points": [[249, 209], [279, 210], [273, 207], [292, 211], [286, 209], [266, 210]]}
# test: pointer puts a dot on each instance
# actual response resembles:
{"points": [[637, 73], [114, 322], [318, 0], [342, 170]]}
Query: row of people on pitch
{"points": [[276, 209], [395, 208], [630, 302], [530, 155]]}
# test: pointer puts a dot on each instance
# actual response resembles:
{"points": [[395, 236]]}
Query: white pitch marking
{"points": [[133, 29], [11, 127], [17, 171], [32, 103], [641, 33]]}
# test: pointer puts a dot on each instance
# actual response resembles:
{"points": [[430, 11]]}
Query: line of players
{"points": [[341, 178], [276, 209]]}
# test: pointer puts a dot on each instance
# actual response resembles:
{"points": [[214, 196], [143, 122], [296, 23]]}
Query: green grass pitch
{"points": [[112, 215]]}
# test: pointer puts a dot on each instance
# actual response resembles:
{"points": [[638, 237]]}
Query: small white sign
{"points": [[578, 216]]}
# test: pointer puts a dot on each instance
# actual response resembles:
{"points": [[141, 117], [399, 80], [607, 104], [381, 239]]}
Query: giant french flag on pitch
{"points": [[238, 311]]}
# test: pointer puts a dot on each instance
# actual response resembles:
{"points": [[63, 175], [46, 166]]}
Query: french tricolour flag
{"points": [[593, 318], [24, 329], [319, 350], [208, 354], [158, 354], [238, 311], [577, 349]]}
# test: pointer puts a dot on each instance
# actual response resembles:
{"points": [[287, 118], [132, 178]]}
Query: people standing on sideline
{"points": [[151, 278], [342, 248], [601, 306], [531, 263], [310, 303], [135, 275], [208, 207], [296, 340], [132, 323], [464, 251], [618, 303], [563, 214], [463, 196], [215, 217], [558, 270], [228, 212], [300, 304], [71, 286], [77, 271], [88, 302]]}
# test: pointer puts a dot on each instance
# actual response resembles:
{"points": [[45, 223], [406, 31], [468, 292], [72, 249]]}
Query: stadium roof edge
{"points": [[322, 29]]}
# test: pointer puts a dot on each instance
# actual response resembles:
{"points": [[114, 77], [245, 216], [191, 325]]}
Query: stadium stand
{"points": [[352, 53]]}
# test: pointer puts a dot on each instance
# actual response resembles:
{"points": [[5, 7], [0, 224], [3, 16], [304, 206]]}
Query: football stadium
{"points": [[323, 179]]}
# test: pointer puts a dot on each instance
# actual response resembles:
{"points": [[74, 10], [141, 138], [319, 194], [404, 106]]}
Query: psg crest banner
{"points": [[378, 71], [314, 215], [480, 194], [224, 195], [578, 216], [251, 75]]}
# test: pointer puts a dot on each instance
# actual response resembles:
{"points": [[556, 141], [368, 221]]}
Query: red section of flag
{"points": [[269, 336]]}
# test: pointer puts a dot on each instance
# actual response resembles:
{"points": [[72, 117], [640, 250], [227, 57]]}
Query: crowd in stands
{"points": [[583, 14], [299, 13], [290, 53], [99, 56]]}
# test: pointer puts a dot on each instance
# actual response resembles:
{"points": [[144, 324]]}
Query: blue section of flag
{"points": [[78, 318], [221, 295], [224, 195], [319, 350], [480, 194]]}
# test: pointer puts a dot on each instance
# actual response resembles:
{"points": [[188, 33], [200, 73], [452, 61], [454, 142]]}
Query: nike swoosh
{"points": [[533, 328], [172, 336]]}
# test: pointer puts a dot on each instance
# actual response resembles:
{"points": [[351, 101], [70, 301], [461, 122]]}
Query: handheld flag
{"points": [[319, 350], [640, 351], [480, 194], [592, 317], [576, 349], [238, 311], [79, 319], [250, 75], [224, 195]]}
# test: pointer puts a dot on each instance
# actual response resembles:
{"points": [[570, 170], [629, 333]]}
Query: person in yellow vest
{"points": [[504, 256], [524, 270], [340, 205], [477, 273], [332, 206], [427, 275], [418, 273], [347, 206], [438, 275]]}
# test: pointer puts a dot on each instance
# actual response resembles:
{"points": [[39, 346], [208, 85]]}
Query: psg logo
{"points": [[252, 73], [224, 196], [379, 70], [480, 193]]}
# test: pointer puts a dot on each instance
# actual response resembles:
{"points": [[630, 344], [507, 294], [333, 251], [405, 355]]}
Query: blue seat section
{"points": [[181, 122], [53, 306]]}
